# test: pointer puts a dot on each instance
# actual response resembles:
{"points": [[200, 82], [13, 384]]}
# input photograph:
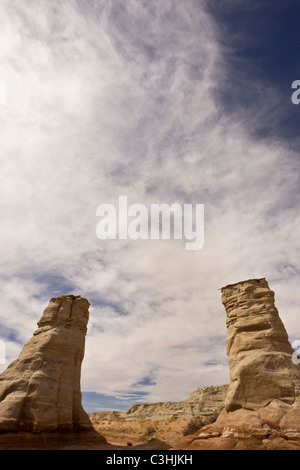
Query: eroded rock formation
{"points": [[258, 348], [40, 391], [262, 406], [206, 402]]}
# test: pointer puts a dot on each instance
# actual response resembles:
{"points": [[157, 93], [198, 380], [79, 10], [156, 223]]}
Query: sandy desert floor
{"points": [[118, 434], [139, 432]]}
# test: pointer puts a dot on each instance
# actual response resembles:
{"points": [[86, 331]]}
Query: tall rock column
{"points": [[40, 391], [262, 405], [258, 349]]}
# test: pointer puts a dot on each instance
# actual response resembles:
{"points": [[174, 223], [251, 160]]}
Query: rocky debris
{"points": [[206, 402], [40, 391], [262, 406]]}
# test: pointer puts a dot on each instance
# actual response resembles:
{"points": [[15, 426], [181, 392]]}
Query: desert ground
{"points": [[121, 432]]}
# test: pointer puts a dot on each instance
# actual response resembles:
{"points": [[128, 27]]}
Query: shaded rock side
{"points": [[258, 349], [40, 391], [262, 406], [206, 402]]}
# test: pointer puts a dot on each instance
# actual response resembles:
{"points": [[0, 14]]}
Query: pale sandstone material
{"points": [[40, 391], [262, 407], [258, 348], [205, 402]]}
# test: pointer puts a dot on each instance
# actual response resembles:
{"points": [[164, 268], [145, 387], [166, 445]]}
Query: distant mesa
{"points": [[205, 402]]}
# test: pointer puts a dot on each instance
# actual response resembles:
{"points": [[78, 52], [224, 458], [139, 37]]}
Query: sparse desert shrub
{"points": [[150, 430], [173, 418], [194, 425], [143, 421], [129, 444]]}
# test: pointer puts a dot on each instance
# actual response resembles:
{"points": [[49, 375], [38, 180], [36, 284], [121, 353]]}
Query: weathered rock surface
{"points": [[206, 402], [262, 407], [258, 348], [40, 397], [40, 391]]}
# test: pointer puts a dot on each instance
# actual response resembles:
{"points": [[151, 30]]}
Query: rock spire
{"points": [[262, 405], [258, 348], [40, 391]]}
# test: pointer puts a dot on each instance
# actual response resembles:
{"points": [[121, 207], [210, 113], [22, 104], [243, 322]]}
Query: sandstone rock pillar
{"points": [[258, 349], [40, 391], [262, 406]]}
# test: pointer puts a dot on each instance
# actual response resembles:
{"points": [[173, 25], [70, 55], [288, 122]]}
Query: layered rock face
{"points": [[257, 347], [262, 406], [40, 391], [206, 402]]}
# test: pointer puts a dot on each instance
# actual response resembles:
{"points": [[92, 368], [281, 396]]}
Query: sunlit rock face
{"points": [[262, 405], [40, 391], [258, 348]]}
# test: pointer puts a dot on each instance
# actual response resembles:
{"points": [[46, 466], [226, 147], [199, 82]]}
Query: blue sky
{"points": [[263, 39], [164, 102]]}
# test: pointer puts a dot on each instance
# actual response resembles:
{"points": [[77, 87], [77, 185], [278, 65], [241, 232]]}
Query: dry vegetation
{"points": [[122, 432]]}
